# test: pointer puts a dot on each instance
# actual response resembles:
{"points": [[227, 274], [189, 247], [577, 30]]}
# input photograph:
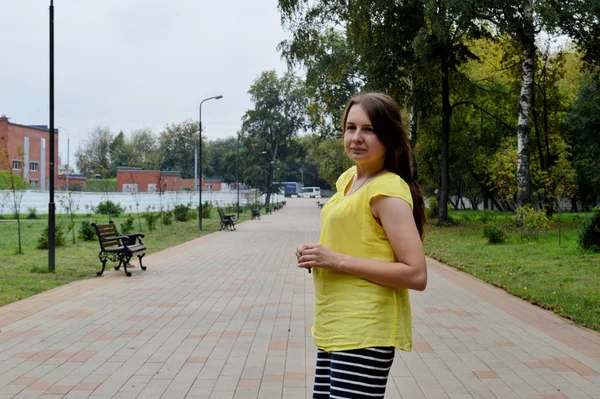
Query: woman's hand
{"points": [[317, 255]]}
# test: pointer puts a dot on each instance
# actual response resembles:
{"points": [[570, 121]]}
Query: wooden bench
{"points": [[227, 221], [116, 247]]}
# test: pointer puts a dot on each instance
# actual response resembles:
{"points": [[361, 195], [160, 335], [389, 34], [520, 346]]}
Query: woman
{"points": [[369, 255]]}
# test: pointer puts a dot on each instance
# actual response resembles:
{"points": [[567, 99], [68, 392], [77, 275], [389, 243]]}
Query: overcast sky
{"points": [[129, 64]]}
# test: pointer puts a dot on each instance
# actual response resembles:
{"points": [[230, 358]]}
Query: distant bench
{"points": [[227, 221], [116, 247]]}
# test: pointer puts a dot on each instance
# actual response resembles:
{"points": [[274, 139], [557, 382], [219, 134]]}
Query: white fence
{"points": [[86, 201]]}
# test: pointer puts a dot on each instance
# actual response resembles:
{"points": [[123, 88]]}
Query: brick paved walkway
{"points": [[228, 316]]}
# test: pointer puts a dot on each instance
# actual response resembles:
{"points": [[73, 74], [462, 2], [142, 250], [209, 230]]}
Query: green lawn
{"points": [[24, 275], [562, 278]]}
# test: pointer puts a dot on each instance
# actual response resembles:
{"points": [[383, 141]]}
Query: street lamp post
{"points": [[237, 177], [51, 205], [200, 158]]}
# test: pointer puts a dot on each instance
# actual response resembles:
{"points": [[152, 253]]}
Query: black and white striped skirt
{"points": [[353, 374]]}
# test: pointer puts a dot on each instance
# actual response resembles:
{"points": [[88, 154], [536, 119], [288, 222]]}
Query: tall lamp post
{"points": [[51, 205], [237, 178], [200, 158]]}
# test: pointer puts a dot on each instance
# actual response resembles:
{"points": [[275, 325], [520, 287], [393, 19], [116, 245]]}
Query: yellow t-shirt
{"points": [[351, 312]]}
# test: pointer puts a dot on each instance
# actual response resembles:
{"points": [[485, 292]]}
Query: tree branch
{"points": [[484, 111]]}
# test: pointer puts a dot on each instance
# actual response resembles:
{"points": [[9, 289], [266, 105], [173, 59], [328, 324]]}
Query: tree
{"points": [[177, 144], [502, 176], [522, 20], [560, 185], [222, 156], [279, 114], [392, 48], [70, 203], [144, 149], [331, 159], [333, 74], [582, 121], [15, 183], [94, 157]]}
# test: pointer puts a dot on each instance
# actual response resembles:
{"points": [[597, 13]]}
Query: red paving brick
{"points": [[228, 315]]}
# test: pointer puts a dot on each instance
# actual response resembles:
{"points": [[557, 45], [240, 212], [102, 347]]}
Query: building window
{"points": [[33, 166], [34, 183], [16, 165]]}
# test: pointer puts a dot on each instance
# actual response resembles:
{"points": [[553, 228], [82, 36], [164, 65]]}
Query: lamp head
{"points": [[218, 97]]}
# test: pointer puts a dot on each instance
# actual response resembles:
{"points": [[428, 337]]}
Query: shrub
{"points": [[486, 216], [207, 209], [59, 238], [150, 219], [589, 234], [467, 218], [167, 218], [109, 208], [533, 221], [182, 213], [127, 226], [432, 208], [494, 234], [32, 213], [86, 231]]}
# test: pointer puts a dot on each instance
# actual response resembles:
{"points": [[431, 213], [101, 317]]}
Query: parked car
{"points": [[310, 192]]}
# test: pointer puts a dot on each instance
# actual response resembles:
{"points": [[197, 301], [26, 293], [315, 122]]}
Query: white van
{"points": [[310, 192]]}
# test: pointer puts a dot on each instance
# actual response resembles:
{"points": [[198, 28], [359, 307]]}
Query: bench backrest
{"points": [[107, 235]]}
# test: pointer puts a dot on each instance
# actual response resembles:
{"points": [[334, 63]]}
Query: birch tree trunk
{"points": [[525, 101]]}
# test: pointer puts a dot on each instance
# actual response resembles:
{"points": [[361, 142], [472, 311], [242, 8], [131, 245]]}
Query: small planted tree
{"points": [[70, 204], [161, 188], [560, 185], [502, 176], [137, 197], [13, 180]]}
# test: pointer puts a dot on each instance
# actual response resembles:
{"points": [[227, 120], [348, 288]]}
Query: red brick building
{"points": [[25, 150], [145, 181], [77, 182]]}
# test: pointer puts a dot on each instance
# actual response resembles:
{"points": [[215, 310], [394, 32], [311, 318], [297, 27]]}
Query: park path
{"points": [[228, 316]]}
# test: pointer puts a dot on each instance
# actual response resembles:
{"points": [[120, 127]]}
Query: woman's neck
{"points": [[367, 171]]}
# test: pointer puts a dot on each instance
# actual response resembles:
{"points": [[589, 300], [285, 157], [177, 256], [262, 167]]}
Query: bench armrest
{"points": [[130, 239]]}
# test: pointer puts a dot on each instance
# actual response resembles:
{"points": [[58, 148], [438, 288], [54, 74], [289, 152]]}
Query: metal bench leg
{"points": [[103, 258], [140, 258], [125, 263]]}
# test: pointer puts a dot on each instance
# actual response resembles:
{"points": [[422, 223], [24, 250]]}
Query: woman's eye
{"points": [[350, 128]]}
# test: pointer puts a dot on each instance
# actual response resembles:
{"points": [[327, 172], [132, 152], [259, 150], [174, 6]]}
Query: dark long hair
{"points": [[387, 123]]}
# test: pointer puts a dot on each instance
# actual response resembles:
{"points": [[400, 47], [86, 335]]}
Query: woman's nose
{"points": [[357, 136]]}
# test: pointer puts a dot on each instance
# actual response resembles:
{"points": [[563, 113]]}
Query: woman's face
{"points": [[360, 141]]}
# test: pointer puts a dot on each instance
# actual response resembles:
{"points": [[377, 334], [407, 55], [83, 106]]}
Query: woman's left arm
{"points": [[395, 215]]}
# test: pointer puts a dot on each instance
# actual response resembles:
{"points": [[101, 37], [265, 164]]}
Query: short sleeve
{"points": [[390, 185], [344, 178]]}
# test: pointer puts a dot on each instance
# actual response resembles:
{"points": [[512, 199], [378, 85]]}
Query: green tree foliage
{"points": [[95, 155], [119, 153], [144, 150], [331, 159], [582, 121], [269, 128], [222, 159], [177, 146]]}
